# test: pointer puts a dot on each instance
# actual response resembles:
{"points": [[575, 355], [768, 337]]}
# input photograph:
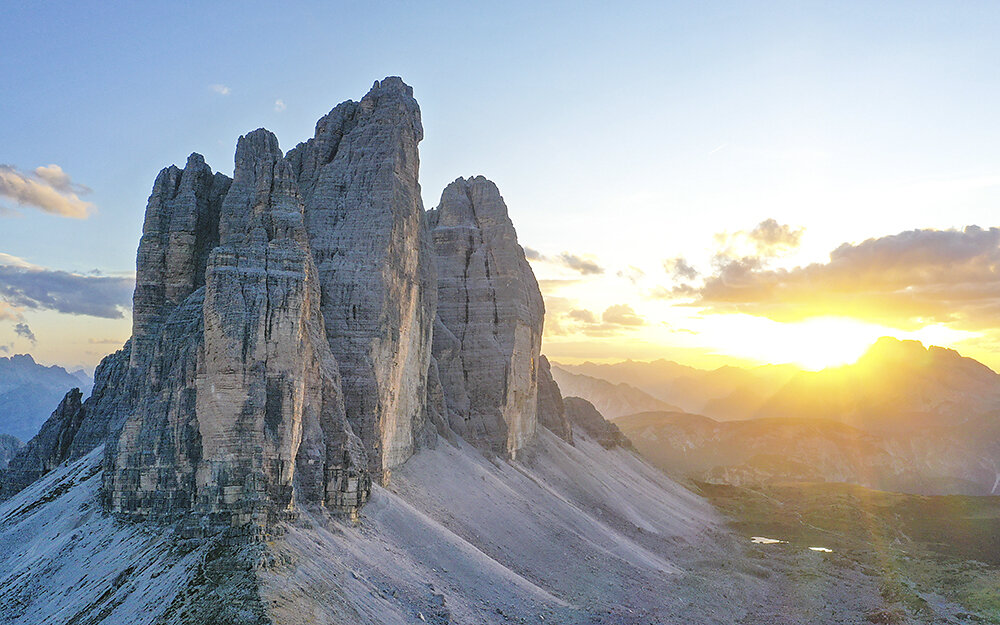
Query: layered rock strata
{"points": [[180, 229], [288, 344], [488, 341], [243, 415], [364, 216]]}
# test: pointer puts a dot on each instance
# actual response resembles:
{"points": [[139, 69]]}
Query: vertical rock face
{"points": [[551, 409], [364, 216], [270, 382], [490, 313], [180, 229], [242, 413], [288, 345]]}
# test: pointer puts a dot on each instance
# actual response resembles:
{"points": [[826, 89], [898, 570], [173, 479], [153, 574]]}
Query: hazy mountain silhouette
{"points": [[30, 391], [611, 400], [903, 417]]}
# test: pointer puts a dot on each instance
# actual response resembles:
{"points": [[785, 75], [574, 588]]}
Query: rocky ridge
{"points": [[582, 414], [302, 328]]}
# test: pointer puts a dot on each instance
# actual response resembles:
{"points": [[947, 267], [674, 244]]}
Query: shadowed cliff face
{"points": [[491, 311], [249, 417], [364, 216], [283, 325]]}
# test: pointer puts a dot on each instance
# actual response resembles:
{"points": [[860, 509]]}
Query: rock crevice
{"points": [[302, 328]]}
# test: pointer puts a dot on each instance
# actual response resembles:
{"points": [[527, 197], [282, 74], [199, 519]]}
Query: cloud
{"points": [[584, 316], [622, 315], [6, 348], [632, 274], [768, 239], [279, 105], [772, 237], [220, 89], [908, 279], [7, 312], [24, 331], [679, 269], [106, 341], [59, 180], [47, 188], [31, 286], [583, 265], [568, 320], [532, 254]]}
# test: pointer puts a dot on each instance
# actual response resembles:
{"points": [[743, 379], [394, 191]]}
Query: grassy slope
{"points": [[922, 551]]}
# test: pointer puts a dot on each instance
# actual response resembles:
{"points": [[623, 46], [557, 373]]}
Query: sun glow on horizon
{"points": [[812, 344]]}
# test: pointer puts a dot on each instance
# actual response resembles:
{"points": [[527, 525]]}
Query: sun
{"points": [[812, 344]]}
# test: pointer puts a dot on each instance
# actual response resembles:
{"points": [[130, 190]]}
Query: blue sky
{"points": [[626, 133]]}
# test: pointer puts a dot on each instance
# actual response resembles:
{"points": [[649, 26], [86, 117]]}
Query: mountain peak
{"points": [[22, 359], [891, 348]]}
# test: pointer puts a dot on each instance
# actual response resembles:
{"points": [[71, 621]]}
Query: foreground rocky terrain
{"points": [[333, 408], [456, 537]]}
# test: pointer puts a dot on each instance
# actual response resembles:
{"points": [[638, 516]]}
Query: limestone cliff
{"points": [[243, 415], [364, 217], [180, 229], [283, 328], [488, 341]]}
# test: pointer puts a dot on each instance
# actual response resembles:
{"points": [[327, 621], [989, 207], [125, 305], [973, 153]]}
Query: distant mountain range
{"points": [[723, 393], [611, 400], [29, 392], [903, 418], [895, 384]]}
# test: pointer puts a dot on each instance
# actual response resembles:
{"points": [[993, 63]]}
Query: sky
{"points": [[712, 183]]}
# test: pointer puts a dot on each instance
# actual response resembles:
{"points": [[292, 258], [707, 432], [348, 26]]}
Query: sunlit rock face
{"points": [[364, 217], [283, 325], [243, 414], [288, 346], [488, 341]]}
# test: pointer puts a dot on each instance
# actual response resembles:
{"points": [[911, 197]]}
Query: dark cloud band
{"points": [[48, 289], [911, 278]]}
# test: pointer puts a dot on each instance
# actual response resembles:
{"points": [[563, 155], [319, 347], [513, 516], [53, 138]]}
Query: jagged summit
{"points": [[305, 337], [302, 328], [889, 351]]}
